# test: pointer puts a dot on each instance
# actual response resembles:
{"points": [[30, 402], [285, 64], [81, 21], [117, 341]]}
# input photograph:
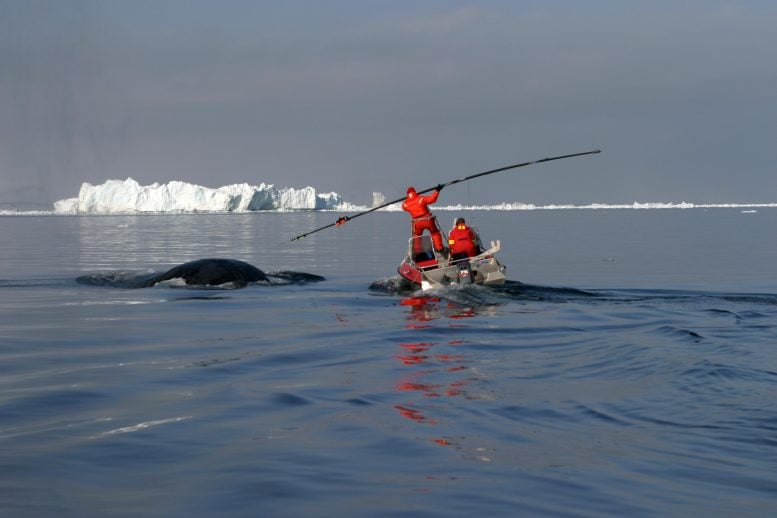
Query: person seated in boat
{"points": [[423, 219], [463, 241]]}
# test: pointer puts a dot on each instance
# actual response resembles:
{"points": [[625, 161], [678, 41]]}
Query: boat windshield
{"points": [[420, 248]]}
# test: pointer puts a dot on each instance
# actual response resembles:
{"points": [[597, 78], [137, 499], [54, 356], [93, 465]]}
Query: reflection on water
{"points": [[147, 241], [433, 370]]}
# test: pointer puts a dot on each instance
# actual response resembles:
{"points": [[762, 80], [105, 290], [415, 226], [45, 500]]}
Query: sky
{"points": [[356, 96]]}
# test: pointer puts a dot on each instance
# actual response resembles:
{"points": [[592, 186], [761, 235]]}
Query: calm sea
{"points": [[635, 375]]}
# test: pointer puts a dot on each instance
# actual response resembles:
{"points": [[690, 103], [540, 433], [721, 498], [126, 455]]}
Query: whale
{"points": [[211, 272]]}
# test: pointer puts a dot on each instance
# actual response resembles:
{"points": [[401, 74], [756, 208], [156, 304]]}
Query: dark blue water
{"points": [[635, 375]]}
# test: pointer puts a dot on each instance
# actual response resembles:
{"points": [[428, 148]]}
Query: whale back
{"points": [[212, 272]]}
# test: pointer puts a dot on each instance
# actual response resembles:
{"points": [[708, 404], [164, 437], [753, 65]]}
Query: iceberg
{"points": [[378, 199], [128, 197]]}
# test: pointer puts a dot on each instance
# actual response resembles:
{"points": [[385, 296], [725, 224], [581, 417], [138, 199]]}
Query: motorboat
{"points": [[428, 268]]}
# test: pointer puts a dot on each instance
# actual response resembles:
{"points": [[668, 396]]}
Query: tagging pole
{"points": [[345, 219]]}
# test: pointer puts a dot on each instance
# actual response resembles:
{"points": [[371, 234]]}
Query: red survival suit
{"points": [[463, 241], [416, 204]]}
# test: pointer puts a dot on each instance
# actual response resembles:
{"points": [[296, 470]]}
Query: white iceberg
{"points": [[128, 196], [378, 199]]}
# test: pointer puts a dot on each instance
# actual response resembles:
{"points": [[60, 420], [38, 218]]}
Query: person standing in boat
{"points": [[463, 241], [423, 219]]}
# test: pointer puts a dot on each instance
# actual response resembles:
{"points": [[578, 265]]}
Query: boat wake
{"points": [[513, 291], [482, 295]]}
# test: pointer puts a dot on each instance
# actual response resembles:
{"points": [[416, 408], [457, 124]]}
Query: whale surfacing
{"points": [[212, 272], [221, 273]]}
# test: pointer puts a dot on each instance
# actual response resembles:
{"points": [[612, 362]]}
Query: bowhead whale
{"points": [[202, 272], [211, 272]]}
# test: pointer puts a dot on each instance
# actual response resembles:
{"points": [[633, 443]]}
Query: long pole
{"points": [[344, 219]]}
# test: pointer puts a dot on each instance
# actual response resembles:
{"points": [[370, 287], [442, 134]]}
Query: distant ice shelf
{"points": [[128, 196]]}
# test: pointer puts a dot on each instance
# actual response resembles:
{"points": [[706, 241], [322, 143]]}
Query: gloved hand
{"points": [[439, 187]]}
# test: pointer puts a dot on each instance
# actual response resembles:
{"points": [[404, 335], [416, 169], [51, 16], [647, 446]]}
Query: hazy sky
{"points": [[359, 96]]}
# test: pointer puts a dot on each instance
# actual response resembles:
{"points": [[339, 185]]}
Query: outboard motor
{"points": [[464, 274]]}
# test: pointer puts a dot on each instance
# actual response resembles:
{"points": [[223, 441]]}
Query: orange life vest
{"points": [[462, 240]]}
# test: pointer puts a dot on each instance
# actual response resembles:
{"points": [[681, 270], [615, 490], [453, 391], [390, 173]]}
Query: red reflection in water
{"points": [[414, 415], [416, 347], [435, 376], [427, 389], [429, 367], [412, 359], [424, 309]]}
